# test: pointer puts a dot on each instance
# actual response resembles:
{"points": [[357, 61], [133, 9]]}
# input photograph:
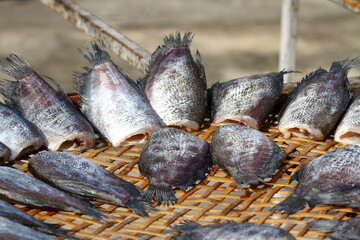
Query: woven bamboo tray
{"points": [[214, 200]]}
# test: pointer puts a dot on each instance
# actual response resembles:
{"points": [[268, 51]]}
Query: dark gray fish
{"points": [[332, 172], [20, 187], [14, 214], [248, 155], [247, 100], [21, 136], [175, 84], [59, 122], [10, 230], [113, 102], [340, 230], [349, 198], [230, 231], [173, 158], [82, 177], [316, 104], [5, 153]]}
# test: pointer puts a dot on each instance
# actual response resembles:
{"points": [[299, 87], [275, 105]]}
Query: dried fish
{"points": [[340, 230]]}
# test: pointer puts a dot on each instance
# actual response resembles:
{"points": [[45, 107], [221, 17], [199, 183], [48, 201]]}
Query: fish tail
{"points": [[324, 225], [162, 194], [328, 198], [138, 207], [95, 54], [96, 214], [16, 67], [290, 205], [175, 40], [186, 226], [345, 65], [10, 93], [283, 72]]}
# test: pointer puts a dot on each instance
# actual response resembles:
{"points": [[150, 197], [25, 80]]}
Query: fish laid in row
{"points": [[112, 101], [247, 100], [248, 155], [332, 172], [173, 158], [316, 104], [175, 83], [58, 120], [81, 177], [20, 136]]}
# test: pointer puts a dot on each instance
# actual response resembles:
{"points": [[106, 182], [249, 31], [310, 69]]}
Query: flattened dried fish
{"points": [[173, 158], [20, 187], [230, 231], [10, 230], [21, 136], [59, 122], [331, 172], [349, 198], [5, 153], [14, 214], [82, 177], [175, 84], [248, 155], [112, 102], [340, 230], [315, 105], [247, 100]]}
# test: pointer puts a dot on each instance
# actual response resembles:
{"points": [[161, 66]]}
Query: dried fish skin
{"points": [[20, 187], [175, 83], [173, 158], [332, 172], [230, 231], [338, 229], [113, 102], [11, 230], [21, 136], [85, 179], [247, 100], [14, 214], [5, 153], [316, 104], [59, 122], [248, 155]]}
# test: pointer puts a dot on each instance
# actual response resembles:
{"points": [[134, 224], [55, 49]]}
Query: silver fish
{"points": [[10, 230], [230, 231], [175, 84], [173, 158], [247, 100], [5, 153], [316, 104], [14, 214], [85, 179], [338, 229], [21, 136], [348, 130], [248, 155], [59, 122], [112, 102], [20, 187], [332, 172]]}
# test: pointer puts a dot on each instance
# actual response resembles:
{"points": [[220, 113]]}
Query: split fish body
{"points": [[20, 187], [21, 136], [247, 100], [230, 231], [175, 84], [82, 177], [316, 104], [59, 122], [173, 158], [113, 102], [338, 229], [248, 155], [332, 172]]}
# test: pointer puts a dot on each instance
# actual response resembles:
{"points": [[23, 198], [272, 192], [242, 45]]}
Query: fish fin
{"points": [[81, 85], [96, 53], [324, 225], [162, 194], [344, 65], [187, 226], [16, 67], [10, 93], [328, 198], [175, 40], [290, 205], [199, 63], [214, 95], [139, 207], [58, 232], [248, 179]]}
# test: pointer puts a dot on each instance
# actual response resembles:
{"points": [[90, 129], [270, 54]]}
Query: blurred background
{"points": [[235, 37]]}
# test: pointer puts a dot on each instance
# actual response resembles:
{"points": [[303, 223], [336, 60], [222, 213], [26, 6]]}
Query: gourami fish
{"points": [[175, 83], [338, 229], [59, 122]]}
